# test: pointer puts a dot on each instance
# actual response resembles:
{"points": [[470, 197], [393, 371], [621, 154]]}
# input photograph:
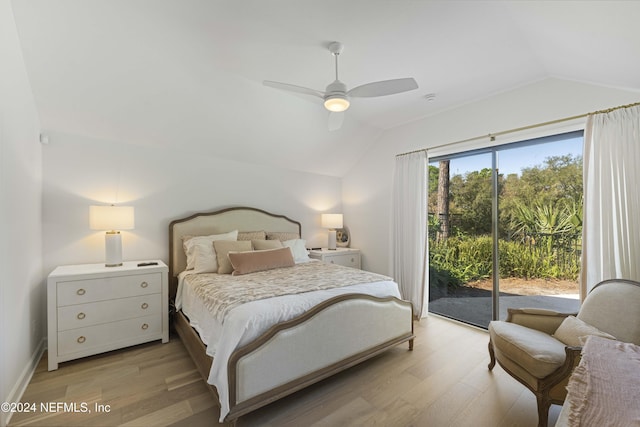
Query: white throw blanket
{"points": [[604, 389]]}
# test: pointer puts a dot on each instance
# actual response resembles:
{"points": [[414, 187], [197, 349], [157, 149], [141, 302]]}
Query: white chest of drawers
{"points": [[92, 308], [348, 257]]}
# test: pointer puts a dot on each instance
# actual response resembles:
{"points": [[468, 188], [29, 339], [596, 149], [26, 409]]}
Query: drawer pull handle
{"points": [[144, 306], [81, 316], [144, 284], [353, 260], [81, 339], [81, 291], [145, 326], [332, 262]]}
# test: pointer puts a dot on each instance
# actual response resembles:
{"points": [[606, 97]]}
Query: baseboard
{"points": [[23, 381]]}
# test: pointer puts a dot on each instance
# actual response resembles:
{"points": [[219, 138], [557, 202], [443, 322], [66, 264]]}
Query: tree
{"points": [[433, 190], [557, 182], [471, 202], [443, 200]]}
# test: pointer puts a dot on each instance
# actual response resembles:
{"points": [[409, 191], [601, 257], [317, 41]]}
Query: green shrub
{"points": [[459, 260], [463, 258]]}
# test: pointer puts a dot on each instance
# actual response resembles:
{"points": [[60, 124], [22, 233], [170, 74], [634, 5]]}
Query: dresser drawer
{"points": [[94, 313], [106, 288], [102, 336], [348, 260], [340, 256]]}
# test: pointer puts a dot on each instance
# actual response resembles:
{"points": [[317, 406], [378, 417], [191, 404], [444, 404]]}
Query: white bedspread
{"points": [[248, 321]]}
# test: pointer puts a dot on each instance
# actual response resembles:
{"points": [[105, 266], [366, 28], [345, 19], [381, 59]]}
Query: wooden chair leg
{"points": [[543, 410], [492, 356]]}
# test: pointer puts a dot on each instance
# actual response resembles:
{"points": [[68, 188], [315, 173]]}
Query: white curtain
{"points": [[611, 217], [410, 229]]}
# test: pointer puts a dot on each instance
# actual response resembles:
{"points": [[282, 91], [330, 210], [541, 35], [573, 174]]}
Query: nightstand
{"points": [[92, 308], [348, 257]]}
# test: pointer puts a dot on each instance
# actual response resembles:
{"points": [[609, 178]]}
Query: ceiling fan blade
{"points": [[335, 120], [294, 88], [382, 88]]}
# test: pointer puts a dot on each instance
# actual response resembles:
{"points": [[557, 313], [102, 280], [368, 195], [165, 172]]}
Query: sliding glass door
{"points": [[460, 246], [540, 208], [515, 210]]}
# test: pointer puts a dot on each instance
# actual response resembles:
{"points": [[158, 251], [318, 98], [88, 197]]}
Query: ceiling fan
{"points": [[336, 96]]}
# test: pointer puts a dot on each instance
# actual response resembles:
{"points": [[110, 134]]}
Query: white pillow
{"points": [[298, 249], [573, 332], [201, 257]]}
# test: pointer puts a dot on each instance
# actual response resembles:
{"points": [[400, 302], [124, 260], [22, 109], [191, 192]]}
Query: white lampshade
{"points": [[111, 217], [332, 220]]}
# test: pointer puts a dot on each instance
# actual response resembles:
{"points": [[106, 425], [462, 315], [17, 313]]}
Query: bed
{"points": [[255, 353]]}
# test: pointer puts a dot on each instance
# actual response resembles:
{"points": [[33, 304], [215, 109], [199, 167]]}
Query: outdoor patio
{"points": [[476, 310]]}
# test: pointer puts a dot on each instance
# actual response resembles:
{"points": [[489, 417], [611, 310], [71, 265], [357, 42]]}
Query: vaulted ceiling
{"points": [[188, 74]]}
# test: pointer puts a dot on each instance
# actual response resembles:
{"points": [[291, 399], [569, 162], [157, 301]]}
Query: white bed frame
{"points": [[332, 336]]}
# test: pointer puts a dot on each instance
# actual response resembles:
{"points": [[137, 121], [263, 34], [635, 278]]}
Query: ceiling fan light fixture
{"points": [[336, 103]]}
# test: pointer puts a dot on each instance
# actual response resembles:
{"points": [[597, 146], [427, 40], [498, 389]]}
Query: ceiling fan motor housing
{"points": [[336, 88], [335, 98], [336, 48]]}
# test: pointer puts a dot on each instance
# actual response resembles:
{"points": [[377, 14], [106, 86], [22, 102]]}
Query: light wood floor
{"points": [[443, 382]]}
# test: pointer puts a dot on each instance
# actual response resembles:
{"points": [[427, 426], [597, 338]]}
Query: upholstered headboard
{"points": [[200, 224]]}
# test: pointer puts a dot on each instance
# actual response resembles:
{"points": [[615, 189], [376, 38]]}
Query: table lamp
{"points": [[332, 221], [113, 219]]}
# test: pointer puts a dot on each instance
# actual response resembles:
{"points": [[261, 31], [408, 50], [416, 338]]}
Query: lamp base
{"points": [[332, 240], [113, 249]]}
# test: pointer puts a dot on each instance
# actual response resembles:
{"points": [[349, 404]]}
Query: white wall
{"points": [[367, 188], [162, 185], [22, 308]]}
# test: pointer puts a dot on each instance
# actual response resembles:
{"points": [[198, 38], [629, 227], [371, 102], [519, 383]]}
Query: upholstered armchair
{"points": [[540, 348]]}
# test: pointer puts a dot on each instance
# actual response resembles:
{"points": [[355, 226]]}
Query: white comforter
{"points": [[248, 321]]}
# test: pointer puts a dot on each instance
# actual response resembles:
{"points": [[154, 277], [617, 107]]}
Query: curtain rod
{"points": [[492, 136]]}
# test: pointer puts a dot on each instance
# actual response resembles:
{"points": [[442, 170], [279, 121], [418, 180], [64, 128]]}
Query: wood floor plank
{"points": [[351, 413], [444, 409], [444, 381], [162, 417], [490, 404], [182, 379], [396, 413]]}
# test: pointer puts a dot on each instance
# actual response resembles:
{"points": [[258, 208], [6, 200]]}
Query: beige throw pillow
{"points": [[252, 235], [261, 245], [281, 235], [250, 262], [573, 332], [223, 247]]}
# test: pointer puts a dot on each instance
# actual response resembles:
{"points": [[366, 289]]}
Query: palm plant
{"points": [[546, 220]]}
